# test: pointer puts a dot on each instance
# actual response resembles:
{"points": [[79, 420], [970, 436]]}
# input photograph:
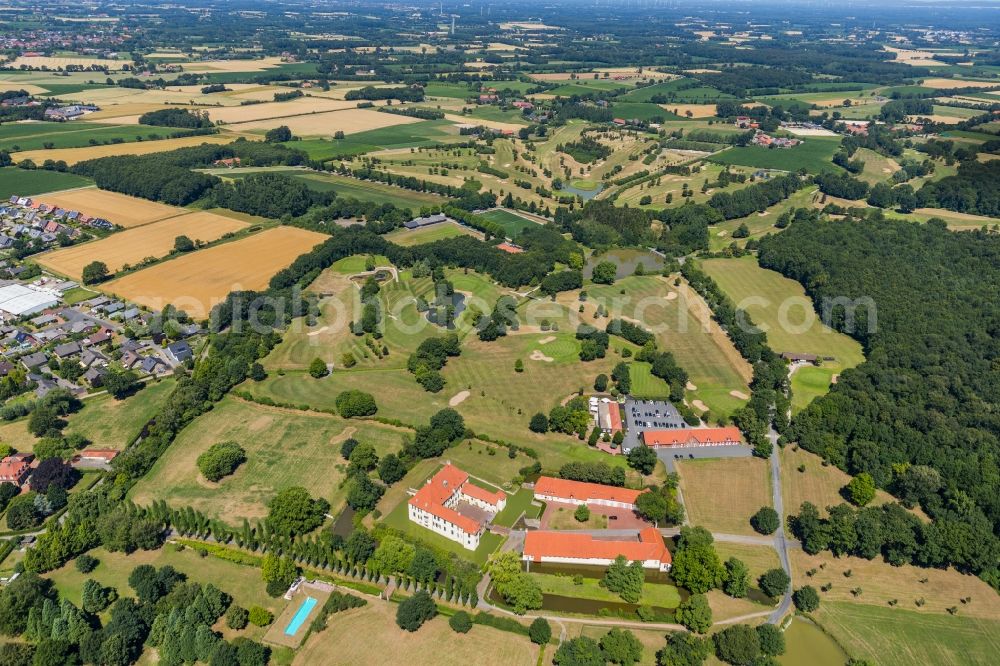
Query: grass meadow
{"points": [[815, 154], [27, 183], [284, 448], [512, 223], [791, 323], [721, 494]]}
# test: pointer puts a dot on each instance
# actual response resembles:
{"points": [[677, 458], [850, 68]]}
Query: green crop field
{"points": [[284, 448], [453, 90], [424, 133], [513, 223], [791, 323], [34, 136], [814, 154], [675, 91], [352, 188], [642, 111], [586, 87], [37, 181], [898, 637]]}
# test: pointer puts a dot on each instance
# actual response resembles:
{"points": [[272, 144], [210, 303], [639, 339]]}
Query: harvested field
{"points": [[349, 121], [38, 62], [302, 105], [233, 65], [492, 124], [73, 155], [721, 494], [945, 84], [196, 281], [119, 209], [134, 245], [697, 110]]}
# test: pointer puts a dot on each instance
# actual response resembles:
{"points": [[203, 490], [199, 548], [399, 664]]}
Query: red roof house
{"points": [[693, 437], [575, 548], [551, 489]]}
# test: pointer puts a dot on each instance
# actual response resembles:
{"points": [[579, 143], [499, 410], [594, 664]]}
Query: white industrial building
{"points": [[18, 300]]}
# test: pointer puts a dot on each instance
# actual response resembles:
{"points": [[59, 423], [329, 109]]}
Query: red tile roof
{"points": [[683, 436], [650, 546], [104, 454], [438, 490], [484, 495], [509, 248], [579, 490], [614, 413]]}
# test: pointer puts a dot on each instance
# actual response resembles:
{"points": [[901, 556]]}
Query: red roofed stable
{"points": [[574, 548], [692, 437], [435, 506], [551, 489]]}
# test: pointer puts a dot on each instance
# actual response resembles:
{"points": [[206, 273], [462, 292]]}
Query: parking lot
{"points": [[669, 455]]}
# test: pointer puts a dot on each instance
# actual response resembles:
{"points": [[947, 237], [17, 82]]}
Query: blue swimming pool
{"points": [[300, 616]]}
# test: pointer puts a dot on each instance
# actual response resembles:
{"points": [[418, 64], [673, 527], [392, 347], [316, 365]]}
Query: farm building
{"points": [[727, 436], [16, 468], [570, 548], [607, 415], [420, 222], [19, 300], [551, 489], [454, 508]]}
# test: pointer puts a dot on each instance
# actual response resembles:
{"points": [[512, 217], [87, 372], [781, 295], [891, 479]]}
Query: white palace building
{"points": [[454, 508]]}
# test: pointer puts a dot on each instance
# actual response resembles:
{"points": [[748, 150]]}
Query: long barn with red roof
{"points": [[575, 548]]}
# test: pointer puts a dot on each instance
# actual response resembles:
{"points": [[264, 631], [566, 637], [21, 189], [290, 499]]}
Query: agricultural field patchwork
{"points": [[196, 281], [134, 245]]}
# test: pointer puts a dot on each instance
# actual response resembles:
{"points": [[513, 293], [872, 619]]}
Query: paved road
{"points": [[781, 542]]}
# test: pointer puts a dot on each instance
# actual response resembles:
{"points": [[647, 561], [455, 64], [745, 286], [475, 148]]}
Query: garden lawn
{"points": [[517, 504], [512, 223], [284, 448], [814, 154], [780, 306], [653, 594], [26, 183]]}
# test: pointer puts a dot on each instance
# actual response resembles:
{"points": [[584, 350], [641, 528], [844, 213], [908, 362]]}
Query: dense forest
{"points": [[974, 189], [921, 414]]}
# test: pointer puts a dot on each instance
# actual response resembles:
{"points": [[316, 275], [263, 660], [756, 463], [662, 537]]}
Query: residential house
{"points": [[179, 351], [67, 349], [33, 361]]}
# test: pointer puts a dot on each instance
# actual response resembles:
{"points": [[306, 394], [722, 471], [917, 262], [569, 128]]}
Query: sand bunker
{"points": [[690, 387], [318, 331], [537, 355], [740, 395], [671, 295], [458, 398], [698, 404], [547, 339], [833, 380]]}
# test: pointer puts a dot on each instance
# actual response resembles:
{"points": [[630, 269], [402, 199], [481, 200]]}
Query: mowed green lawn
{"points": [[645, 385], [34, 136], [653, 594], [400, 136], [512, 223], [814, 154], [781, 306], [27, 183], [363, 190], [899, 637], [410, 237], [675, 91], [284, 448]]}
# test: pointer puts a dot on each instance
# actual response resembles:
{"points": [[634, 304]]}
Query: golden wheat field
{"points": [[136, 244], [258, 65], [348, 121], [120, 209], [38, 62], [295, 107], [73, 155], [195, 282]]}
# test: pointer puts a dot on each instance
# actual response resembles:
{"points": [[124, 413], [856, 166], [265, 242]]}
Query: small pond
{"points": [[586, 195], [625, 260], [805, 643], [344, 524]]}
